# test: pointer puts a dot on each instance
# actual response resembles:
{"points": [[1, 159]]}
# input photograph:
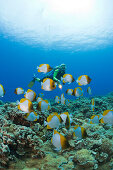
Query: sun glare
{"points": [[69, 24], [72, 6]]}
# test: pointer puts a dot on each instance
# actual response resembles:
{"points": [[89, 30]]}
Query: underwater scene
{"points": [[56, 85]]}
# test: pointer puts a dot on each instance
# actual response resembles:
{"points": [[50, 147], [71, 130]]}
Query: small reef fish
{"points": [[67, 78], [94, 119], [53, 121], [79, 132], [41, 95], [32, 116], [19, 91], [31, 95], [83, 80], [39, 99], [92, 104], [48, 84], [69, 91], [66, 119], [78, 92], [89, 90], [25, 105], [58, 141], [62, 98], [107, 117], [57, 99], [44, 68], [2, 91], [43, 105]]}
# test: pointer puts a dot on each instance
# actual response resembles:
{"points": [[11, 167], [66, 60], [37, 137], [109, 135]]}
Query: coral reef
{"points": [[27, 145]]}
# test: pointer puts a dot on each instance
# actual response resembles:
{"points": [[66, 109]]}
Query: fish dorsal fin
{"points": [[51, 116], [65, 75], [44, 80], [76, 126], [23, 100], [106, 112], [66, 113], [93, 116], [26, 115], [80, 88], [29, 90], [46, 101], [79, 78]]}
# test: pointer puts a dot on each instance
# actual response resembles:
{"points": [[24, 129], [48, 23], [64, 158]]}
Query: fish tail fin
{"points": [[38, 117], [17, 102], [62, 78], [100, 116], [45, 123]]}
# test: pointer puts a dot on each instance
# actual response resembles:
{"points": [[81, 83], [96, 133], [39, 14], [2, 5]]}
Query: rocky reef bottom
{"points": [[27, 145]]}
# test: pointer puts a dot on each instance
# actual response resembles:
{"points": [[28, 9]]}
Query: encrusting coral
{"points": [[30, 142]]}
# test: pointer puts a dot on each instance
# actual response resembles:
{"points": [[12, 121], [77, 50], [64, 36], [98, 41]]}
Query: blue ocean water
{"points": [[19, 62]]}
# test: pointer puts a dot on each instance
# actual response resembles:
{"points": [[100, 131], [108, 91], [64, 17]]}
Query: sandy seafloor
{"points": [[27, 145]]}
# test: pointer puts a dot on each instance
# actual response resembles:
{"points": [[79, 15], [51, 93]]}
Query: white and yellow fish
{"points": [[58, 141], [25, 105], [57, 99], [53, 121], [2, 91], [62, 98], [48, 84], [69, 91], [78, 92], [66, 119], [107, 117], [31, 95], [67, 78], [83, 80], [94, 119], [44, 68], [32, 116], [79, 132], [92, 104], [19, 91], [43, 105]]}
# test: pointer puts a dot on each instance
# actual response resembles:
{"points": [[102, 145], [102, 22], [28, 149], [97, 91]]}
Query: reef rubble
{"points": [[27, 145]]}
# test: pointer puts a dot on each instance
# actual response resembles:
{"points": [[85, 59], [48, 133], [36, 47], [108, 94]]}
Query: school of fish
{"points": [[56, 120]]}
